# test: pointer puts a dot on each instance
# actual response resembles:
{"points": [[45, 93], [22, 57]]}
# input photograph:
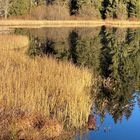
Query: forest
{"points": [[70, 9]]}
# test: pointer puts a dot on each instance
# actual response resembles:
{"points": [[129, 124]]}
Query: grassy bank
{"points": [[68, 23], [41, 87]]}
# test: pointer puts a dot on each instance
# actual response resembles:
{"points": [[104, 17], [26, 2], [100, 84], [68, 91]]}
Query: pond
{"points": [[111, 53], [126, 127]]}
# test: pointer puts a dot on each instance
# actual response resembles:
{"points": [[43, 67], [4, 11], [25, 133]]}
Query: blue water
{"points": [[124, 129]]}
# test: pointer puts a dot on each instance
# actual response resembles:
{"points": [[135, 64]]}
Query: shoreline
{"points": [[68, 23]]}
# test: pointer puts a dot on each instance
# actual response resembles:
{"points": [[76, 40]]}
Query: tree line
{"points": [[98, 9]]}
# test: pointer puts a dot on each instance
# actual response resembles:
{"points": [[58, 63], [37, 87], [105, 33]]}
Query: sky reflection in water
{"points": [[123, 129]]}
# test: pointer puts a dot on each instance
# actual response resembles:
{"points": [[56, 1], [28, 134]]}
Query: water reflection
{"points": [[124, 129], [111, 53]]}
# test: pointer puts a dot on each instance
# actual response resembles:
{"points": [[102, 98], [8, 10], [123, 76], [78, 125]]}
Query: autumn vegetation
{"points": [[40, 96], [69, 9]]}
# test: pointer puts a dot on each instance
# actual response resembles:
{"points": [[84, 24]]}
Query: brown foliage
{"points": [[54, 12]]}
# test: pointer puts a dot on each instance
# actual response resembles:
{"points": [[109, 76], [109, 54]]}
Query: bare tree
{"points": [[4, 8]]}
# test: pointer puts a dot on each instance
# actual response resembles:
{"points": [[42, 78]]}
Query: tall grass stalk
{"points": [[45, 86]]}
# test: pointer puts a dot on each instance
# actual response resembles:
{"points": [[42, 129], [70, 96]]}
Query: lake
{"points": [[110, 53]]}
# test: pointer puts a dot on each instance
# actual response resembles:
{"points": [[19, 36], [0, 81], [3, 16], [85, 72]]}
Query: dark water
{"points": [[114, 55]]}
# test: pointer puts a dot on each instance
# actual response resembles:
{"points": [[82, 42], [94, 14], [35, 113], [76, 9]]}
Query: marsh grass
{"points": [[40, 92], [46, 86], [9, 42]]}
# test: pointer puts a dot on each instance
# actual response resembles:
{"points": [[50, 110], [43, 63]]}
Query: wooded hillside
{"points": [[64, 9]]}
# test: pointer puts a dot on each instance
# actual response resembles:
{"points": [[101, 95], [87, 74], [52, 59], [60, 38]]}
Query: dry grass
{"points": [[9, 42], [69, 23], [45, 86], [17, 124], [59, 92]]}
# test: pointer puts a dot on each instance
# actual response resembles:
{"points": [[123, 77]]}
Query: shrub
{"points": [[51, 12], [19, 7], [89, 11], [39, 12]]}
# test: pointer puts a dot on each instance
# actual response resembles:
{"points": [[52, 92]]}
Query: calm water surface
{"points": [[111, 53], [124, 128]]}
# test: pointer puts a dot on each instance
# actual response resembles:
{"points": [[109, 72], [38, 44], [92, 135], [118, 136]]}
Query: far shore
{"points": [[68, 23]]}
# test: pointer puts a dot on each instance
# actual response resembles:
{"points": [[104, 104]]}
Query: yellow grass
{"points": [[44, 86], [40, 87], [9, 42], [68, 23]]}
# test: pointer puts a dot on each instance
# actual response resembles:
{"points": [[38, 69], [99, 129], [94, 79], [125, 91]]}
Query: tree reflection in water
{"points": [[113, 54]]}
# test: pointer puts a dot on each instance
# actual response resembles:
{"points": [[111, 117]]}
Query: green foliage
{"points": [[89, 8], [96, 9], [134, 8], [19, 7], [92, 9], [114, 9]]}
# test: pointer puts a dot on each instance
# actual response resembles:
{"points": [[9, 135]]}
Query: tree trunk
{"points": [[6, 8]]}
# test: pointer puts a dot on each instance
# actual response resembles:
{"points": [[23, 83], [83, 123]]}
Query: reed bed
{"points": [[9, 42], [45, 86], [68, 23]]}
